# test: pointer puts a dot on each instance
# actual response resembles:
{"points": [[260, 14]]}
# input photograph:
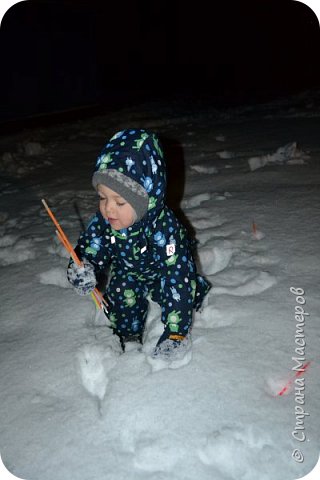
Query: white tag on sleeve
{"points": [[143, 249], [170, 249]]}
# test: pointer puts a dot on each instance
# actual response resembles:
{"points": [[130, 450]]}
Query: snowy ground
{"points": [[72, 406]]}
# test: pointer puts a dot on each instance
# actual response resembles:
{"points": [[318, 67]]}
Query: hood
{"points": [[137, 154]]}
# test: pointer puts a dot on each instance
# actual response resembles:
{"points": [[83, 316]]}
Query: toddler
{"points": [[141, 241]]}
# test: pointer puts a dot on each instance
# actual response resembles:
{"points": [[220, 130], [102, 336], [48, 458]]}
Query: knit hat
{"points": [[126, 187]]}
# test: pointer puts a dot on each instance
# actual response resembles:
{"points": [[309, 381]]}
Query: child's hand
{"points": [[82, 278]]}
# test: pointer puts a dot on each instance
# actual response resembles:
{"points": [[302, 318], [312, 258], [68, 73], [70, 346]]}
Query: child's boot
{"points": [[129, 338], [172, 346]]}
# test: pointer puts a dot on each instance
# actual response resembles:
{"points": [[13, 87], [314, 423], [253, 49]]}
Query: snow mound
{"points": [[204, 169], [95, 363], [24, 160], [225, 154], [275, 385], [8, 240], [215, 259], [55, 276], [15, 250], [261, 281], [59, 250], [220, 138], [231, 450], [257, 235], [33, 149], [195, 200], [204, 223], [289, 154]]}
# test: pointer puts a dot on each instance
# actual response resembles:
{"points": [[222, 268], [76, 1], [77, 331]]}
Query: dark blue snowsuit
{"points": [[153, 256]]}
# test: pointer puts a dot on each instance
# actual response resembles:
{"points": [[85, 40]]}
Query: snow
{"points": [[33, 149], [225, 154], [55, 276], [14, 250], [196, 200], [71, 404], [289, 154], [204, 169], [24, 159], [220, 138]]}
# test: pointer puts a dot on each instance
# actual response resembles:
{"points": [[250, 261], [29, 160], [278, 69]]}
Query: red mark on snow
{"points": [[298, 374]]}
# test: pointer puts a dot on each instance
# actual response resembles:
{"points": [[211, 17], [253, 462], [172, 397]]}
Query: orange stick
{"points": [[254, 228], [66, 242], [72, 252], [96, 295], [94, 298]]}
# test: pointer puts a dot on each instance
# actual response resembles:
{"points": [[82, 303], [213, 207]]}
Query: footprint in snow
{"points": [[157, 454], [230, 450], [260, 282], [254, 259], [95, 363], [212, 317]]}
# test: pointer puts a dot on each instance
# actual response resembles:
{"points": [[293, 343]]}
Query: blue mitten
{"points": [[82, 278]]}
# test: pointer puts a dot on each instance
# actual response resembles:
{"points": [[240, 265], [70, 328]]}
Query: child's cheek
{"points": [[102, 211]]}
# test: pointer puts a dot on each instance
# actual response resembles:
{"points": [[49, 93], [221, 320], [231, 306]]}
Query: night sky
{"points": [[60, 55]]}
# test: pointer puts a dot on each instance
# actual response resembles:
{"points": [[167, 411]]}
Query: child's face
{"points": [[115, 208]]}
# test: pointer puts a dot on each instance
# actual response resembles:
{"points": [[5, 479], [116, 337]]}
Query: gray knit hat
{"points": [[125, 186]]}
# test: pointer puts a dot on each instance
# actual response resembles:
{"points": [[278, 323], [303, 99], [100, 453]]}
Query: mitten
{"points": [[82, 278]]}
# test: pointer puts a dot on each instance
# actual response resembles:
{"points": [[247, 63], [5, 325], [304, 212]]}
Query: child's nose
{"points": [[109, 209]]}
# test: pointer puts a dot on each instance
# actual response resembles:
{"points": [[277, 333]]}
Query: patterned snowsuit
{"points": [[153, 256]]}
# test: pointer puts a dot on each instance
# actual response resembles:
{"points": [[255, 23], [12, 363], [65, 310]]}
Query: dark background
{"points": [[90, 55]]}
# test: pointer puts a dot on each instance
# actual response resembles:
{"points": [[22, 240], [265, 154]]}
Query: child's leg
{"points": [[176, 301], [128, 306], [202, 288]]}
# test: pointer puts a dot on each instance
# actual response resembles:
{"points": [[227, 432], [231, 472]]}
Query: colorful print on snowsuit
{"points": [[153, 256]]}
